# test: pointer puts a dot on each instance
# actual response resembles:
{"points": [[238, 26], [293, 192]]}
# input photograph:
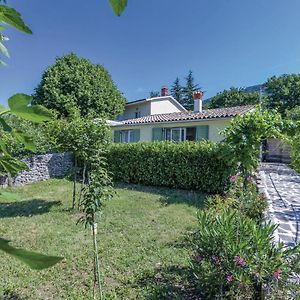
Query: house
{"points": [[164, 118]]}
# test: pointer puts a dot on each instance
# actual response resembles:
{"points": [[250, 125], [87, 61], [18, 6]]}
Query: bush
{"points": [[186, 165], [236, 258], [244, 198], [296, 152]]}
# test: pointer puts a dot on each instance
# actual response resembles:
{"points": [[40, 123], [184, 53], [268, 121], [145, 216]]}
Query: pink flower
{"points": [[198, 259], [240, 261], [229, 277], [233, 178], [216, 260], [277, 274]]}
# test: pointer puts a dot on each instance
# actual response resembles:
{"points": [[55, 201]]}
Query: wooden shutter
{"points": [[157, 134], [117, 136], [136, 135], [202, 132]]}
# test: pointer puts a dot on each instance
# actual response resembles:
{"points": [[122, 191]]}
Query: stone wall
{"points": [[43, 167]]}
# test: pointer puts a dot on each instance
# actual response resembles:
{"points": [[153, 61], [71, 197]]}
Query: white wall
{"points": [[163, 106], [130, 110], [215, 126]]}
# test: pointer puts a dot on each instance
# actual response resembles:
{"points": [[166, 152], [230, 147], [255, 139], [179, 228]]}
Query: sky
{"points": [[224, 42]]}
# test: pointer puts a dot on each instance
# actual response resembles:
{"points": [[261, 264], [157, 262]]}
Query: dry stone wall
{"points": [[43, 167]]}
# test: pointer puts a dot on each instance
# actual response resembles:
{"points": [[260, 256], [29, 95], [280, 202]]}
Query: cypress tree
{"points": [[176, 90], [188, 91]]}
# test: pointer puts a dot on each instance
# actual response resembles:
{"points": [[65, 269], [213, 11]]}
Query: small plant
{"points": [[236, 258]]}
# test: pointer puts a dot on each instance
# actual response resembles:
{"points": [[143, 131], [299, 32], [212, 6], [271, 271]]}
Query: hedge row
{"points": [[186, 165]]}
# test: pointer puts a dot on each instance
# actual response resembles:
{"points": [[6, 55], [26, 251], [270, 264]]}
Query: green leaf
{"points": [[34, 260], [11, 17], [4, 50], [4, 125], [9, 164], [3, 147], [18, 105], [25, 139], [118, 6]]}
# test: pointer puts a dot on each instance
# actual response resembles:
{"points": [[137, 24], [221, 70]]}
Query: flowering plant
{"points": [[236, 258]]}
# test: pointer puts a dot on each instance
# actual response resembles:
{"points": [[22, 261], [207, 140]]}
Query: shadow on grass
{"points": [[169, 195], [26, 208], [10, 296], [172, 282]]}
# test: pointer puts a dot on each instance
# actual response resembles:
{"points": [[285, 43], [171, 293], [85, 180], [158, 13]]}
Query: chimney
{"points": [[198, 101], [164, 91]]}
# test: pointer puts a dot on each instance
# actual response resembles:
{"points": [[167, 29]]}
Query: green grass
{"points": [[142, 236]]}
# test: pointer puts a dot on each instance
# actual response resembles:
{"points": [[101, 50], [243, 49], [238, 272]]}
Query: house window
{"points": [[191, 134], [126, 136], [137, 114], [175, 134]]}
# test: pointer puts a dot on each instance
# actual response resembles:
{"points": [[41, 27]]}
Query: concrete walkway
{"points": [[281, 185]]}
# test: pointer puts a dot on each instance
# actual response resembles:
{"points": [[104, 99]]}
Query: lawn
{"points": [[142, 237]]}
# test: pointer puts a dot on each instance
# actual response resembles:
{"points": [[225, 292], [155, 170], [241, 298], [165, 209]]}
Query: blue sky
{"points": [[225, 42]]}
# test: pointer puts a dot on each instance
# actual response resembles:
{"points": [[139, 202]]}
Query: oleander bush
{"points": [[237, 258], [186, 165]]}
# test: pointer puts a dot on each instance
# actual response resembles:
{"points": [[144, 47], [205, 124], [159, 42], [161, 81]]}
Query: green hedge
{"points": [[186, 165]]}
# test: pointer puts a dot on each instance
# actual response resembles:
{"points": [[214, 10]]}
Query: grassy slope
{"points": [[141, 238]]}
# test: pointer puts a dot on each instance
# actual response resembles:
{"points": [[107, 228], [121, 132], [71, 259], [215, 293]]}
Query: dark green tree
{"points": [[188, 91], [283, 92], [176, 90], [234, 97], [76, 82], [154, 94]]}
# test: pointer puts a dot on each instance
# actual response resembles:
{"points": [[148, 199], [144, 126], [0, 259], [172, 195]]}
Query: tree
{"points": [[234, 97], [154, 94], [283, 92], [188, 91], [176, 90], [76, 82]]}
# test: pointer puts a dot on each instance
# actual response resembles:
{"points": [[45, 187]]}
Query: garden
{"points": [[155, 220]]}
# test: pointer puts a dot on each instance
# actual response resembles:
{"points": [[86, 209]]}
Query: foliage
{"points": [[245, 135], [187, 165], [234, 97], [9, 16], [293, 114], [154, 94], [283, 92], [118, 6], [236, 258], [295, 143], [74, 82], [188, 91], [245, 199], [177, 90]]}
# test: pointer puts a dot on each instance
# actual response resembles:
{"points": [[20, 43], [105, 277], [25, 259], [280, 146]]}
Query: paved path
{"points": [[281, 185]]}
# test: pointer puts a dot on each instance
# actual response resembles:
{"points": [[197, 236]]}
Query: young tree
{"points": [[283, 92], [176, 90], [188, 91], [76, 82], [234, 97]]}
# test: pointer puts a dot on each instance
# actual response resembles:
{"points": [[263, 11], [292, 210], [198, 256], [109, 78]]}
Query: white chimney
{"points": [[198, 101]]}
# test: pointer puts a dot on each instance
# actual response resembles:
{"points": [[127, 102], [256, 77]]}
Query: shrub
{"points": [[296, 152], [236, 258], [187, 165]]}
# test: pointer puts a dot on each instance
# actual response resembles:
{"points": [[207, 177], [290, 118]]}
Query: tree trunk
{"points": [[82, 183], [74, 183]]}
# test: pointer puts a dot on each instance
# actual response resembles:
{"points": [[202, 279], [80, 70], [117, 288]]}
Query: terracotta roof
{"points": [[216, 113]]}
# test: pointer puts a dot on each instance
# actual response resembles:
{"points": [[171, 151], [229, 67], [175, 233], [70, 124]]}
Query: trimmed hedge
{"points": [[186, 165]]}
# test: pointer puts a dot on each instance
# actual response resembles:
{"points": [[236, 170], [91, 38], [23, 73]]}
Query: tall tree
{"points": [[283, 92], [76, 82], [234, 97], [188, 91], [176, 90]]}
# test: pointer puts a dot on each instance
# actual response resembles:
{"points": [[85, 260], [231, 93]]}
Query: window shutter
{"points": [[117, 136], [136, 135], [157, 134], [202, 133]]}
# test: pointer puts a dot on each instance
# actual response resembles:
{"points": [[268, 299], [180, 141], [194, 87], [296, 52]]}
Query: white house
{"points": [[164, 118]]}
